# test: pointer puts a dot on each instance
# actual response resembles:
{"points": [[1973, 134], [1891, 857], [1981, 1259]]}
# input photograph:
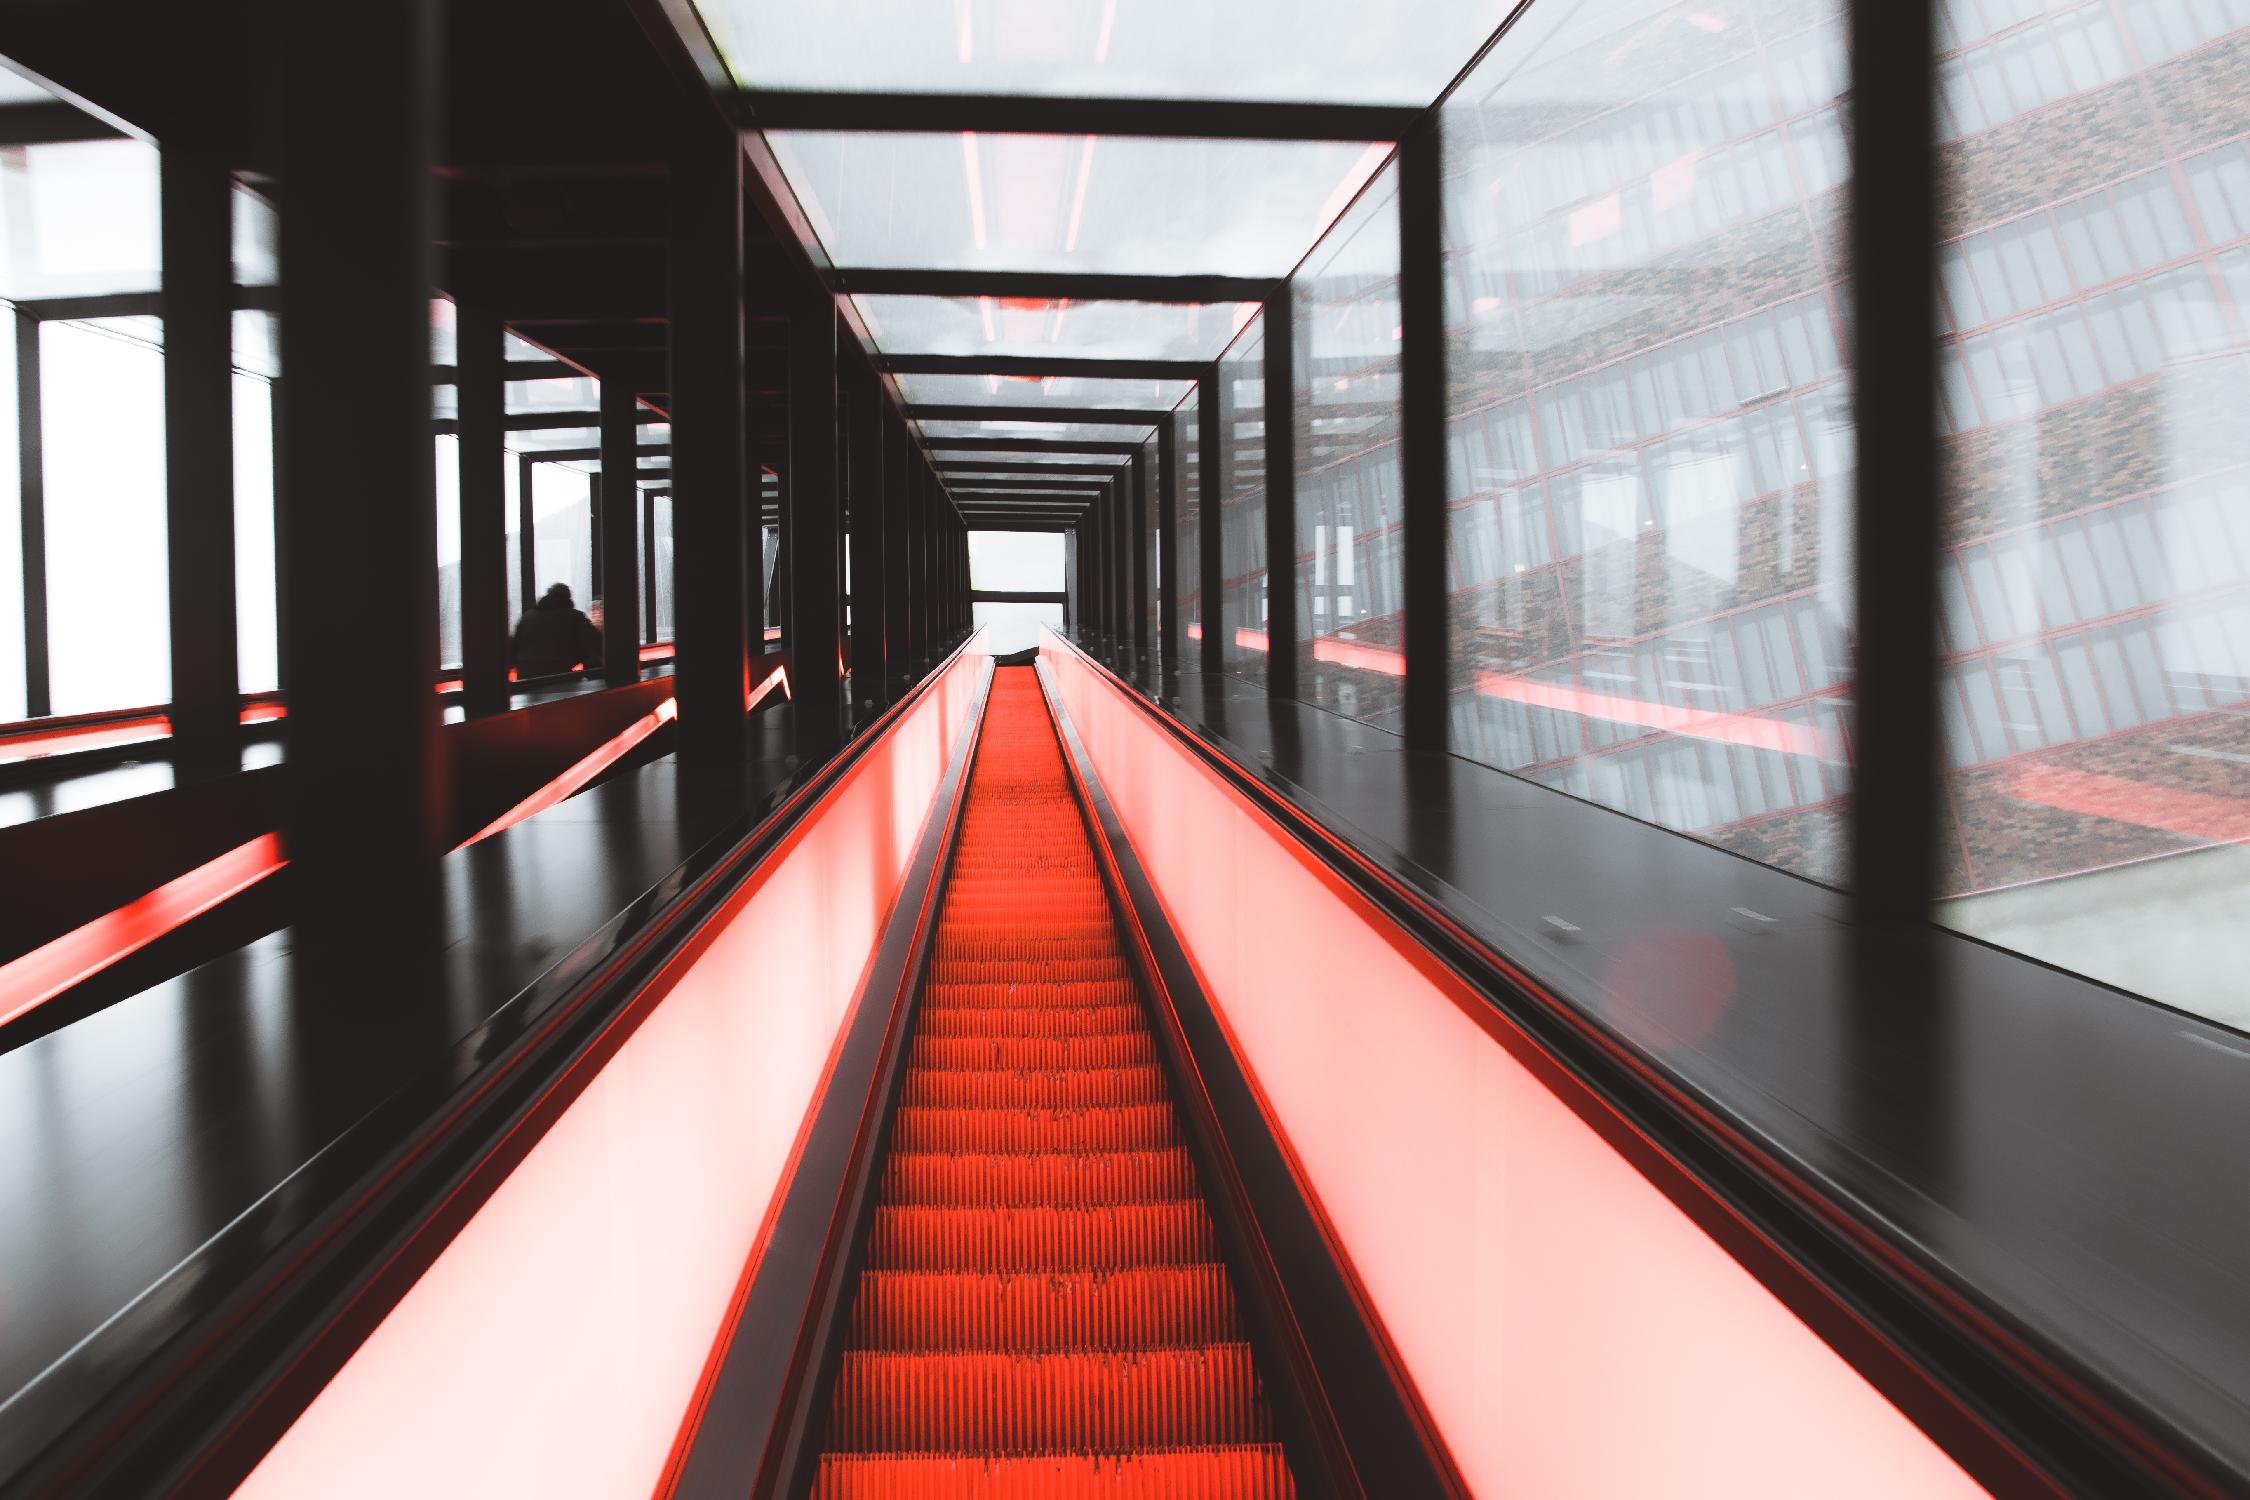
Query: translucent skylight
{"points": [[1036, 325], [1345, 51], [1077, 203], [1073, 432], [1060, 390]]}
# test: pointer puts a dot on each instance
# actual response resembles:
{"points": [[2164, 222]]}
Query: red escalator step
{"points": [[1157, 1307], [1023, 1088], [1063, 1020], [1119, 1049], [1240, 1473], [920, 1238], [893, 1402], [998, 1132], [1081, 1180]]}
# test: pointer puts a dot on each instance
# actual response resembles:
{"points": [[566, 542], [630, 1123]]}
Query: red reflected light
{"points": [[1672, 982], [657, 651], [264, 713], [1194, 631], [1251, 640], [45, 972], [2121, 799], [1568, 1329], [453, 684], [571, 781], [1733, 729], [1365, 658], [753, 696]]}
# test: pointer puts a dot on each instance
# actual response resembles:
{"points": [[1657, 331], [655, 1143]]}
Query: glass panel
{"points": [[1188, 516], [78, 219], [1014, 626], [1075, 203], [256, 572], [1152, 538], [449, 552], [1059, 390], [12, 685], [1045, 432], [1242, 504], [108, 593], [1169, 49], [2099, 780], [1349, 566], [666, 621], [942, 454], [1649, 450], [552, 439], [1016, 562], [576, 393], [562, 530], [1033, 325]]}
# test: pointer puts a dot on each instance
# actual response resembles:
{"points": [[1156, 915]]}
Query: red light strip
{"points": [[605, 755], [1252, 640], [660, 651], [753, 696], [265, 713], [2121, 799], [45, 972]]}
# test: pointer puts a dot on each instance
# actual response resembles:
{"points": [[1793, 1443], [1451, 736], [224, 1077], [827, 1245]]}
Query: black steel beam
{"points": [[1422, 408], [1018, 114], [1897, 783], [196, 231], [867, 412], [31, 496], [1075, 286], [620, 542], [1014, 596], [369, 797], [1060, 484], [899, 459], [813, 497], [1102, 416], [1028, 445], [1210, 565], [1142, 572], [1281, 498], [517, 369], [966, 466], [482, 462], [711, 475], [1037, 365]]}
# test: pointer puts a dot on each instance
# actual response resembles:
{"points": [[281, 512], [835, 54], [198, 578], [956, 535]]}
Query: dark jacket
{"points": [[553, 637]]}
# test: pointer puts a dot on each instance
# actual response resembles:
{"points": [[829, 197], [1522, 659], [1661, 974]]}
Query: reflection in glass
{"points": [[1349, 562], [1650, 444], [1187, 519], [1242, 504], [2096, 582]]}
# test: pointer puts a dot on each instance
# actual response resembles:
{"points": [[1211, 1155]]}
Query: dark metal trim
{"points": [[1016, 114], [1016, 596], [51, 123], [1076, 286], [1038, 364], [31, 448], [1210, 535], [1422, 420], [1105, 416], [1033, 469]]}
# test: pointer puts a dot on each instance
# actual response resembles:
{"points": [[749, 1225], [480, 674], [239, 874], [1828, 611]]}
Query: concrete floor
{"points": [[2175, 929]]}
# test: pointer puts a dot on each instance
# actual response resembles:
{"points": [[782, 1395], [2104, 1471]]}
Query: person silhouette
{"points": [[554, 637]]}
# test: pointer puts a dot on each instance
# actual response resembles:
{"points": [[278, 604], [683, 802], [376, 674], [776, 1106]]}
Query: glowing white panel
{"points": [[1051, 390], [1571, 1331], [1037, 325]]}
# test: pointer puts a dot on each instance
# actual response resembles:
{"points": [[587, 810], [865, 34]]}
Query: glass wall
{"points": [[102, 440], [257, 364], [660, 544], [562, 529], [1152, 536], [1650, 444], [2095, 306], [1242, 503], [1350, 565], [1187, 521]]}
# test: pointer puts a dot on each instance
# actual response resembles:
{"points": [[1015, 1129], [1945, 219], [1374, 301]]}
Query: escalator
{"points": [[1044, 1308]]}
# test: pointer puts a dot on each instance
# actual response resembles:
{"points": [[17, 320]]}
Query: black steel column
{"points": [[621, 570], [925, 603], [198, 242], [368, 812], [1210, 412], [710, 476], [1422, 400], [898, 587], [812, 497], [1281, 494], [870, 589], [1167, 550], [478, 360], [32, 518], [1121, 559], [1896, 787], [527, 535]]}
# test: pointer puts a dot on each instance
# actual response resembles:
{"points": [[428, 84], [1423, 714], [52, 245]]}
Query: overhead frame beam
{"points": [[968, 466], [1039, 364], [1076, 286], [1021, 114], [1028, 445], [1099, 416]]}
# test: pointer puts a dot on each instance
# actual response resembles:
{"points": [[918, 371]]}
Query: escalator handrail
{"points": [[2007, 1410], [318, 1261]]}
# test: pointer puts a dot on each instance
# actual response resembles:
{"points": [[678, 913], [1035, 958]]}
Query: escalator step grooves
{"points": [[1044, 1311]]}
